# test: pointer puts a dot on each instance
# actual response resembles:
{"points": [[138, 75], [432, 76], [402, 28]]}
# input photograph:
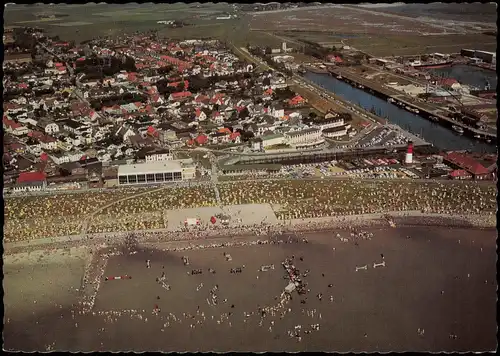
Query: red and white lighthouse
{"points": [[409, 153]]}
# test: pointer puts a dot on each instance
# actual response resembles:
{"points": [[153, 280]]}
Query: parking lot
{"points": [[383, 136]]}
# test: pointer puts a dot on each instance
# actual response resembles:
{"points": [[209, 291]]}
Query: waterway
{"points": [[441, 137], [469, 75]]}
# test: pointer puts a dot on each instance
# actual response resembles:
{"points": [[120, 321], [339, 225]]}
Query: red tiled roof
{"points": [[27, 177], [201, 98], [181, 94], [201, 139], [297, 98], [224, 130], [47, 139], [448, 81], [459, 173], [152, 131], [234, 135], [132, 76], [467, 163], [44, 156]]}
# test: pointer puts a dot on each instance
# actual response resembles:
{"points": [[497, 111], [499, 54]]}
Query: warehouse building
{"points": [[156, 172], [485, 56]]}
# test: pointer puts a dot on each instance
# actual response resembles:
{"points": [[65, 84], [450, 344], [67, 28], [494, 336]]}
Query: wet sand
{"points": [[377, 309]]}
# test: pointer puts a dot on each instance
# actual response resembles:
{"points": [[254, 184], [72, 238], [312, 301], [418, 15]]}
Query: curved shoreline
{"points": [[405, 219]]}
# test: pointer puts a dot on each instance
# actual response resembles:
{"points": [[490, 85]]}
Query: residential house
{"points": [[156, 99], [65, 157], [296, 101], [73, 126], [217, 117], [200, 115], [160, 155], [125, 132], [47, 142], [235, 137], [277, 111], [201, 139], [184, 95], [52, 103], [14, 128], [48, 126]]}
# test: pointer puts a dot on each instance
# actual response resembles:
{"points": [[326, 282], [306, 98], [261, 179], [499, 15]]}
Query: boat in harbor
{"points": [[410, 109], [458, 129], [391, 100], [477, 136], [434, 65], [434, 118]]}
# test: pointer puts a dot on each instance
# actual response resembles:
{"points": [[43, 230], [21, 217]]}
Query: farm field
{"points": [[81, 22], [342, 19], [459, 11], [376, 32], [388, 45]]}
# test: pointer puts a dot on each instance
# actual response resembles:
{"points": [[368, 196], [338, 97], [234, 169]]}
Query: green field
{"points": [[83, 22]]}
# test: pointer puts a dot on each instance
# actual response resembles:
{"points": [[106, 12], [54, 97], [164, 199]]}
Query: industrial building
{"points": [[485, 56], [156, 172]]}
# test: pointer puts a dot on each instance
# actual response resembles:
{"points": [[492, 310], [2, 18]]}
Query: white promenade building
{"points": [[156, 172]]}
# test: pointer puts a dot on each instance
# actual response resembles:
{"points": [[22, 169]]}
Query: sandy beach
{"points": [[440, 280]]}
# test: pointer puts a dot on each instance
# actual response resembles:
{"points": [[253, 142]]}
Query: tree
{"points": [[334, 49], [243, 113], [181, 86]]}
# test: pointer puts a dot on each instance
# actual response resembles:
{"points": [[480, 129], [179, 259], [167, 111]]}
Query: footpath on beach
{"points": [[310, 224]]}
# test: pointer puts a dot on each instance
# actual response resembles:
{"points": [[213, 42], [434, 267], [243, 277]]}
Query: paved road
{"points": [[244, 53]]}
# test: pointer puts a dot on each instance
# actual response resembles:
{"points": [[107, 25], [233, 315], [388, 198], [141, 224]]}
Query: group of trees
{"points": [[278, 66], [122, 99], [94, 66]]}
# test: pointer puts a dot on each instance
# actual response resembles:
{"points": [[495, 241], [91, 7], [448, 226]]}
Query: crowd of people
{"points": [[305, 199], [44, 216], [109, 211]]}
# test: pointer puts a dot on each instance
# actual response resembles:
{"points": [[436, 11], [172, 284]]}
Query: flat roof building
{"points": [[156, 172]]}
